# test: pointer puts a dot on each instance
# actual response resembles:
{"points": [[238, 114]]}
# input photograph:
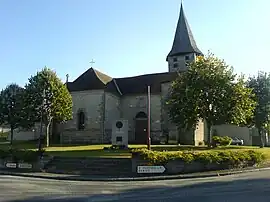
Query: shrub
{"points": [[16, 155], [222, 141], [115, 147], [232, 158]]}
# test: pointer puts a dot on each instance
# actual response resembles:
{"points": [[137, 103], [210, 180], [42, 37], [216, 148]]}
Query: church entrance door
{"points": [[141, 128]]}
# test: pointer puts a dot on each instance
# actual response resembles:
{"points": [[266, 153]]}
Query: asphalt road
{"points": [[246, 187]]}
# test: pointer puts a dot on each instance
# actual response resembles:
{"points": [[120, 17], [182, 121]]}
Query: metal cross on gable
{"points": [[92, 62]]}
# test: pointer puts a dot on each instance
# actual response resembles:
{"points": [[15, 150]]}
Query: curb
{"points": [[152, 178]]}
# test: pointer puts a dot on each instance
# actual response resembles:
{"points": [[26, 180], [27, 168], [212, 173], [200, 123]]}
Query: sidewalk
{"points": [[71, 177]]}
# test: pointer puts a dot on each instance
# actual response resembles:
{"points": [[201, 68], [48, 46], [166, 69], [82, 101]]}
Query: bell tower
{"points": [[184, 48]]}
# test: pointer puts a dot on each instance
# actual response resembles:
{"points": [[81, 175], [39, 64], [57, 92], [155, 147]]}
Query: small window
{"points": [[119, 139], [187, 57], [175, 65], [81, 120], [175, 59]]}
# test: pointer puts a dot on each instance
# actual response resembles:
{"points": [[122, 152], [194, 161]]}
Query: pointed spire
{"points": [[183, 40]]}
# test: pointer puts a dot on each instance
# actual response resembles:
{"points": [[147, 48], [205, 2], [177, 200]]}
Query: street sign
{"points": [[11, 165], [151, 169], [25, 165]]}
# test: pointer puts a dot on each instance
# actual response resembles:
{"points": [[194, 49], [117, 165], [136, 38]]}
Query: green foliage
{"points": [[46, 92], [17, 155], [232, 158], [47, 96], [209, 90], [11, 105], [221, 141], [260, 85]]}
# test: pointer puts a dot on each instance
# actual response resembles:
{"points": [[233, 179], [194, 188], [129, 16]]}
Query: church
{"points": [[99, 100]]}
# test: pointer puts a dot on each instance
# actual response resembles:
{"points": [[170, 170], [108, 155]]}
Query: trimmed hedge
{"points": [[16, 155], [232, 158], [222, 141]]}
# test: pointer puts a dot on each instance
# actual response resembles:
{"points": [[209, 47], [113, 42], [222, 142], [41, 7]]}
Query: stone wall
{"points": [[90, 103], [132, 105], [112, 113], [230, 130], [89, 136]]}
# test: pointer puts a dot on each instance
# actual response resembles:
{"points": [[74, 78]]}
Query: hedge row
{"points": [[16, 155], [232, 158]]}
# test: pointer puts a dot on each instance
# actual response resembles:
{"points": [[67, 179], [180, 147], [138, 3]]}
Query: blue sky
{"points": [[126, 37]]}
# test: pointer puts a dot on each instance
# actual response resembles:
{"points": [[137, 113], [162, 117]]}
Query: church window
{"points": [[175, 59], [187, 57], [81, 120], [175, 65]]}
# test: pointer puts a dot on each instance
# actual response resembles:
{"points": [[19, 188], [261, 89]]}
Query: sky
{"points": [[126, 37]]}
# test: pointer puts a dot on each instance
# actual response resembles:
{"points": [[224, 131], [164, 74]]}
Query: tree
{"points": [[48, 99], [209, 90], [11, 107], [260, 85]]}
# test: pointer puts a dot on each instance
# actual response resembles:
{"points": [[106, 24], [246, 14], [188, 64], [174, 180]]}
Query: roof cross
{"points": [[92, 62]]}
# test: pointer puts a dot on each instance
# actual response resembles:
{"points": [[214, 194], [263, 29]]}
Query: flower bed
{"points": [[188, 162]]}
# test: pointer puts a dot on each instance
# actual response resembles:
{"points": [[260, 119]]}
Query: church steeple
{"points": [[184, 47]]}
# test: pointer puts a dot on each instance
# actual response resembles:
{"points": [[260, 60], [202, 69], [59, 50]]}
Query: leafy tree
{"points": [[48, 99], [209, 90], [261, 88], [11, 107]]}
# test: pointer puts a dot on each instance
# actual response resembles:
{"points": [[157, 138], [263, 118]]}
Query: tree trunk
{"points": [[11, 135], [261, 138], [209, 135]]}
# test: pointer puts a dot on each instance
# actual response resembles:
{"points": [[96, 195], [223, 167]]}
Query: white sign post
{"points": [[151, 169], [11, 165]]}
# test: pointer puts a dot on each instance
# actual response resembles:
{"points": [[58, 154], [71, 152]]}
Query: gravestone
{"points": [[120, 133]]}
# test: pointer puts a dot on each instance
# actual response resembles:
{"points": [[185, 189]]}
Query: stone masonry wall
{"points": [[89, 102], [131, 105]]}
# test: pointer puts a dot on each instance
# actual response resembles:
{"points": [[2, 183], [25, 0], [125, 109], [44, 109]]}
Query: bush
{"points": [[232, 158], [16, 155], [221, 141], [115, 147]]}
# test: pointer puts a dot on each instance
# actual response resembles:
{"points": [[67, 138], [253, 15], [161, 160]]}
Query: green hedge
{"points": [[222, 141], [16, 155], [232, 158]]}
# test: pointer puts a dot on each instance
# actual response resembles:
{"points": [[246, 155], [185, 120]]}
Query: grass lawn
{"points": [[97, 150]]}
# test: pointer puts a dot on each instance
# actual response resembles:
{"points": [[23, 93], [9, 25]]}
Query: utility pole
{"points": [[149, 120], [41, 121]]}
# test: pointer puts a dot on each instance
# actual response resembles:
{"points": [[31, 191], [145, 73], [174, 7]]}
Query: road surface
{"points": [[246, 187]]}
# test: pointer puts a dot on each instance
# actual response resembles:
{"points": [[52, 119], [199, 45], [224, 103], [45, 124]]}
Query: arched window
{"points": [[141, 115], [81, 120]]}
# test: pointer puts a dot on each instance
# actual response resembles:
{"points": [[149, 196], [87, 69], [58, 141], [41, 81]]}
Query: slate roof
{"points": [[90, 80], [184, 41], [95, 80]]}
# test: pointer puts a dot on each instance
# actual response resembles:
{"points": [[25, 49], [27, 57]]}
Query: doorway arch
{"points": [[141, 128]]}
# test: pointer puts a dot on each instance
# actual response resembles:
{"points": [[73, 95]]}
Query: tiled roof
{"points": [[138, 84], [89, 80], [95, 80]]}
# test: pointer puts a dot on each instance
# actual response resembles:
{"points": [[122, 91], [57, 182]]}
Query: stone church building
{"points": [[99, 100]]}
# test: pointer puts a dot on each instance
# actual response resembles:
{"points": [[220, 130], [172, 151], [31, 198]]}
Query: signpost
{"points": [[11, 165], [25, 165], [151, 169]]}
